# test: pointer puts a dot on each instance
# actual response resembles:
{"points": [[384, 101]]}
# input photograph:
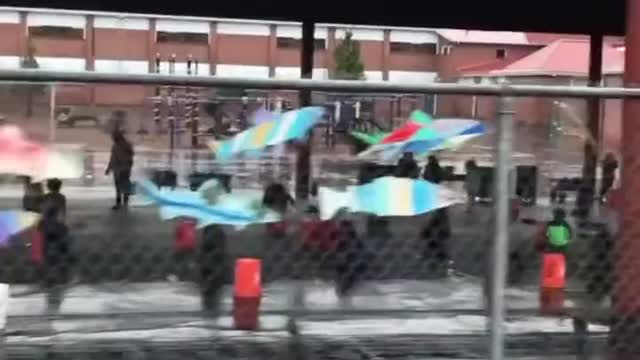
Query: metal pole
{"points": [[52, 113], [303, 163], [346, 86], [587, 191], [501, 231]]}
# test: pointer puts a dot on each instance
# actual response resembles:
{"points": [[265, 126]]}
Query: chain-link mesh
{"points": [[124, 284]]}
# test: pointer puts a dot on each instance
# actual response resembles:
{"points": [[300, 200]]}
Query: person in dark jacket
{"points": [[407, 167], [432, 171], [277, 198], [435, 236], [609, 167], [58, 257], [213, 267], [54, 198], [351, 259], [120, 165]]}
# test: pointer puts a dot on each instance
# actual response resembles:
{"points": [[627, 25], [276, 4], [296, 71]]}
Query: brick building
{"points": [[127, 43], [563, 62]]}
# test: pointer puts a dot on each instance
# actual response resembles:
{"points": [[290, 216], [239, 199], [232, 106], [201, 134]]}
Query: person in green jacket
{"points": [[558, 233]]}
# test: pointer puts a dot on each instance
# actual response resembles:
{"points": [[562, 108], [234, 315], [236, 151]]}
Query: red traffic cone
{"points": [[552, 283], [247, 293]]}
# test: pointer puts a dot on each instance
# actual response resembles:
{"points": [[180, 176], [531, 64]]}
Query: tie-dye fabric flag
{"points": [[291, 125], [20, 156], [13, 222], [387, 196]]}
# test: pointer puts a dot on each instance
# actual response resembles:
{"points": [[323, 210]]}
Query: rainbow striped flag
{"points": [[291, 125], [388, 196], [15, 221]]}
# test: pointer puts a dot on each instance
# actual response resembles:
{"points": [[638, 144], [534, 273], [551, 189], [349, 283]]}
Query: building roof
{"points": [[482, 68], [484, 37], [565, 57]]}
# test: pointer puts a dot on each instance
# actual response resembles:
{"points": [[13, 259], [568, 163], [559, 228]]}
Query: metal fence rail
{"points": [[505, 89], [285, 259]]}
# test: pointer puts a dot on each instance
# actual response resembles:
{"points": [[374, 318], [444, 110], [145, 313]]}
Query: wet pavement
{"points": [[123, 302]]}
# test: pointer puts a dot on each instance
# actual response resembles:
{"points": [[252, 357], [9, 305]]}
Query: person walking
{"points": [[609, 167], [58, 257], [120, 165], [54, 198], [351, 260], [213, 267]]}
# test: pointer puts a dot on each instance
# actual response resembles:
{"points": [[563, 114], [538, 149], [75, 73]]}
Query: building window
{"points": [[427, 48], [501, 53], [292, 43], [445, 50], [182, 37], [56, 32]]}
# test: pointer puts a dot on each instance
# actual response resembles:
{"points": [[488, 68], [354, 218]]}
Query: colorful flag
{"points": [[20, 156], [15, 221], [387, 196], [438, 135], [291, 125], [211, 204]]}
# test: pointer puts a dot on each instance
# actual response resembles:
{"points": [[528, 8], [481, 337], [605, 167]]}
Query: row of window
{"points": [[64, 32]]}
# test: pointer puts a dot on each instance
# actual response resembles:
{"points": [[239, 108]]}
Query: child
{"points": [[558, 233], [213, 267], [54, 198], [57, 255]]}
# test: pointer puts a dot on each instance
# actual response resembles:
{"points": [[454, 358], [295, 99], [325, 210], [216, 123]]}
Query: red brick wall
{"points": [[243, 49], [10, 43], [121, 44]]}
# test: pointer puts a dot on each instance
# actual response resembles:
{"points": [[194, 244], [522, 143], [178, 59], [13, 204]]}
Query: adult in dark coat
{"points": [[120, 165], [58, 257]]}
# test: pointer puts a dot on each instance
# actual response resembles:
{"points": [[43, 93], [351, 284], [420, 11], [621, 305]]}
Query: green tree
{"points": [[30, 90], [349, 66]]}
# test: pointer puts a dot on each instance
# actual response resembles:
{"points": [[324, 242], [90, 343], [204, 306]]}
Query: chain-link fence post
{"points": [[501, 231]]}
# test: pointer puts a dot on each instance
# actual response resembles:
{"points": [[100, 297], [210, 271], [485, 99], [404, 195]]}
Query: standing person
{"points": [[471, 182], [277, 198], [433, 171], [435, 237], [557, 233], [407, 167], [609, 167], [351, 259], [54, 198], [120, 164], [57, 256], [213, 267]]}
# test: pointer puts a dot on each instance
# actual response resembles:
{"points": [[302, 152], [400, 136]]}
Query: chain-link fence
{"points": [[125, 284]]}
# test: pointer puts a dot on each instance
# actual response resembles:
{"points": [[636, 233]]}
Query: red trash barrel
{"points": [[247, 293], [552, 283]]}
